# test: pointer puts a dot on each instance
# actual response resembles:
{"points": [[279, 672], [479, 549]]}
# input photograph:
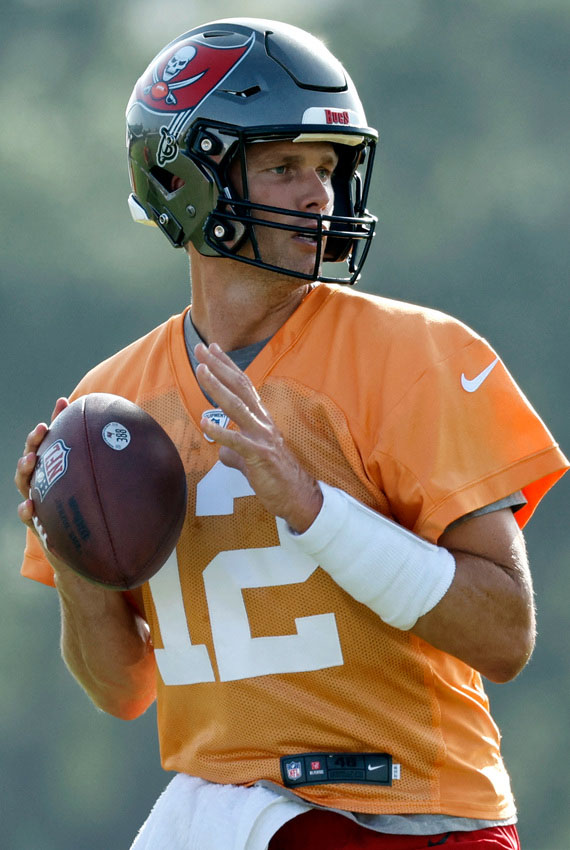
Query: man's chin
{"points": [[294, 263], [302, 266], [300, 260]]}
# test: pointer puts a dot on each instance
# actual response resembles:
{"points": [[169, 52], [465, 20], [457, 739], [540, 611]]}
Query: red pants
{"points": [[319, 830]]}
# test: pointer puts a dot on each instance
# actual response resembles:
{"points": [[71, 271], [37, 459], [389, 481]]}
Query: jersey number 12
{"points": [[315, 645]]}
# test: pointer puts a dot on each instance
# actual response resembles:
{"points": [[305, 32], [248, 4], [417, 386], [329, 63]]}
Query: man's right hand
{"points": [[24, 471], [26, 465]]}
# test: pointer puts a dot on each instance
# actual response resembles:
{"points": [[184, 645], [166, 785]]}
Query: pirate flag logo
{"points": [[178, 82]]}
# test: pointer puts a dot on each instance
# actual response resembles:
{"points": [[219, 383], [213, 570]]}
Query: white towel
{"points": [[192, 814]]}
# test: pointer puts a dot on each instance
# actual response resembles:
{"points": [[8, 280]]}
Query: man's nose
{"points": [[315, 195]]}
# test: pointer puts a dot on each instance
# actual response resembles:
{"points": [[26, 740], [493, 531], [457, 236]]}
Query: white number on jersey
{"points": [[315, 645]]}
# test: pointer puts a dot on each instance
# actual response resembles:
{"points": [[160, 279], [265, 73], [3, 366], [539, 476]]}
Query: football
{"points": [[109, 491]]}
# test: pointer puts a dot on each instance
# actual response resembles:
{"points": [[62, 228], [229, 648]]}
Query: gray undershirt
{"points": [[420, 824], [242, 357]]}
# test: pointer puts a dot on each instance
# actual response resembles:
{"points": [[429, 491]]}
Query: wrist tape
{"points": [[397, 574]]}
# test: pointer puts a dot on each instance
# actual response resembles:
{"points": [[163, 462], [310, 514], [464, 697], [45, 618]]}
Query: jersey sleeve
{"points": [[35, 564], [464, 436]]}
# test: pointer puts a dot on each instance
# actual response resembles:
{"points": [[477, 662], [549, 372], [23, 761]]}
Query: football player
{"points": [[359, 472]]}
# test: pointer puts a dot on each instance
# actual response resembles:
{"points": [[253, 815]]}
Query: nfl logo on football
{"points": [[293, 769], [51, 466]]}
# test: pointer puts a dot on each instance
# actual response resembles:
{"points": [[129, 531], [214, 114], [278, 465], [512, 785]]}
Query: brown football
{"points": [[109, 491]]}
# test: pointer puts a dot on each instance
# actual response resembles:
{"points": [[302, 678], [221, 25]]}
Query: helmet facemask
{"points": [[344, 235]]}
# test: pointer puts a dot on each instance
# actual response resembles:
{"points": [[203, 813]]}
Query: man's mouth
{"points": [[308, 238], [305, 237]]}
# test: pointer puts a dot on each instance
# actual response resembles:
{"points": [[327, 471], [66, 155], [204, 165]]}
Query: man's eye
{"points": [[279, 169]]}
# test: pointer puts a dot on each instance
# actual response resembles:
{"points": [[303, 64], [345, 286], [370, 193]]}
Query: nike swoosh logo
{"points": [[470, 385], [375, 766]]}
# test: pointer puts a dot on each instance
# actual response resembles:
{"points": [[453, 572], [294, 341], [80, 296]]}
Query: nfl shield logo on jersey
{"points": [[294, 769]]}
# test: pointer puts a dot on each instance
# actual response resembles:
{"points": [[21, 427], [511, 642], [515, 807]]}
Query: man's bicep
{"points": [[486, 618], [494, 536]]}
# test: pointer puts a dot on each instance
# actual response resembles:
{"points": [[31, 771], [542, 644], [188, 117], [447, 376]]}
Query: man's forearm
{"points": [[470, 595], [106, 646]]}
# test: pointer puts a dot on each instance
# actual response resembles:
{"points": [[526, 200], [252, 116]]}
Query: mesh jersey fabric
{"points": [[425, 824], [242, 357], [261, 657]]}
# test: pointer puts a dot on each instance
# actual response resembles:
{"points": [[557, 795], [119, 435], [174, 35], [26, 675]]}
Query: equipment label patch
{"points": [[320, 768], [51, 466], [116, 436], [218, 417]]}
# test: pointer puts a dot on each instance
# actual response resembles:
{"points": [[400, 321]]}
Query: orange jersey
{"points": [[259, 653]]}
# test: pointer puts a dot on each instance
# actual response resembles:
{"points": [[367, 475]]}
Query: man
{"points": [[358, 471]]}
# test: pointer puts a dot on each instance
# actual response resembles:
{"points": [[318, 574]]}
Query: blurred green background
{"points": [[472, 190]]}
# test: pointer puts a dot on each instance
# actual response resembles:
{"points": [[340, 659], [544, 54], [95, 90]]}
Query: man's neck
{"points": [[236, 307]]}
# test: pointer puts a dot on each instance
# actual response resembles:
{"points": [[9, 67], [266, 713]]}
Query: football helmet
{"points": [[219, 88]]}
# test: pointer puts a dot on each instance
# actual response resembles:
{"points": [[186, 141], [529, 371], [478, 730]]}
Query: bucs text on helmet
{"points": [[215, 90]]}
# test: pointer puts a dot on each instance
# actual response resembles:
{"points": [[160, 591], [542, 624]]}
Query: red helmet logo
{"points": [[185, 74]]}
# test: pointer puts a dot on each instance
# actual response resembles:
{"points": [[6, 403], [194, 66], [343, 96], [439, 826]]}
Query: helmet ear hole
{"points": [[166, 180]]}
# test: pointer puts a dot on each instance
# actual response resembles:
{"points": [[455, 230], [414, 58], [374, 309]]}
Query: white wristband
{"points": [[394, 572]]}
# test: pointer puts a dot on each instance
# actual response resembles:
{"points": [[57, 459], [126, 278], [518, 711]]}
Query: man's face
{"points": [[296, 176]]}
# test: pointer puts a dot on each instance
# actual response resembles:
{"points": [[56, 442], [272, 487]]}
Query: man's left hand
{"points": [[255, 445]]}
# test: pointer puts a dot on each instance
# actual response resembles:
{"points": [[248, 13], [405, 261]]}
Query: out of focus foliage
{"points": [[472, 190]]}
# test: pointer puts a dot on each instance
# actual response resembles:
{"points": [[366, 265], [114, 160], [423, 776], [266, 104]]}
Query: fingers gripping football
{"points": [[24, 471], [26, 464], [255, 445]]}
